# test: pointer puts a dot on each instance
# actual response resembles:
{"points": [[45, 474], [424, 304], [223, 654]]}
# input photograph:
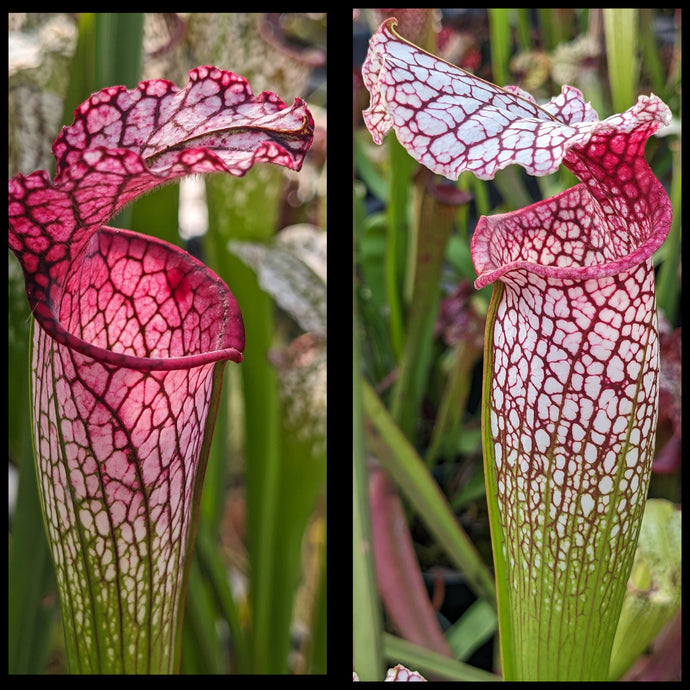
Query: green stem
{"points": [[401, 166], [436, 219]]}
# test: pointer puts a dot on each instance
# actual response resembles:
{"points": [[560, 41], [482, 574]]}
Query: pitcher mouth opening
{"points": [[528, 253], [174, 314]]}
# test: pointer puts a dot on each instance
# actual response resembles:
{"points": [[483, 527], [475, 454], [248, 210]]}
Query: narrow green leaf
{"points": [[501, 44], [33, 595], [441, 667], [216, 569], [118, 48], [455, 395], [409, 471], [374, 180], [649, 52], [30, 611], [475, 627], [366, 613], [317, 662], [547, 31], [247, 208], [82, 80], [201, 651], [435, 223], [620, 30], [524, 28]]}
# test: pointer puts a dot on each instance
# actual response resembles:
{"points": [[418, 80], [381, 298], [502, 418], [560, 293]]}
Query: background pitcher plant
{"points": [[130, 339], [571, 351]]}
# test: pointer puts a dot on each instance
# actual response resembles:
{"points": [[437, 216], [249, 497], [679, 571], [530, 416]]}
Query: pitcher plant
{"points": [[571, 359], [130, 339]]}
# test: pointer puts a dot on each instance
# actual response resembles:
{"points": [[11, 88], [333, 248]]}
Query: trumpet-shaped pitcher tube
{"points": [[571, 390], [130, 339], [571, 349], [121, 450]]}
